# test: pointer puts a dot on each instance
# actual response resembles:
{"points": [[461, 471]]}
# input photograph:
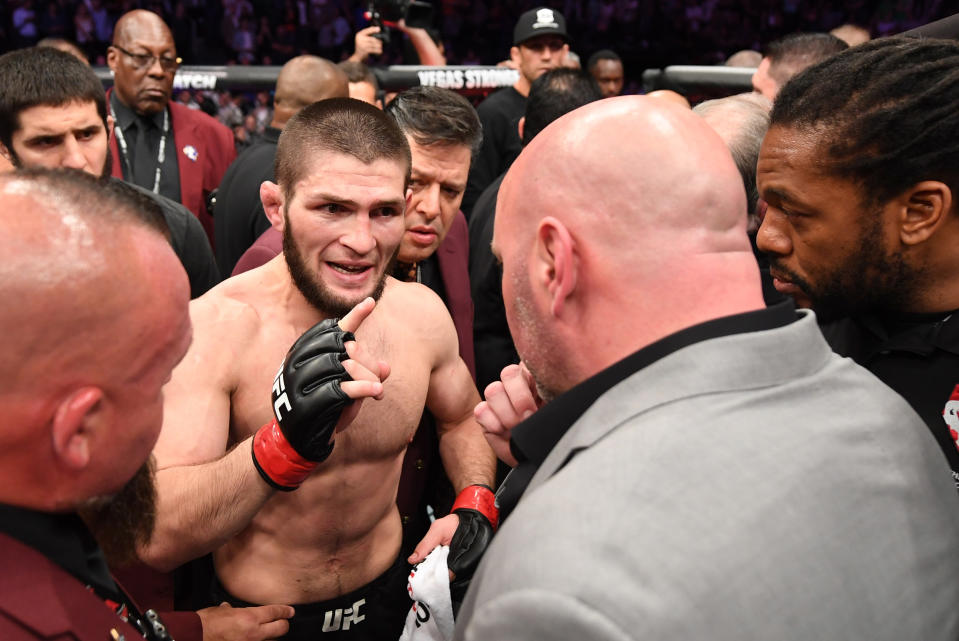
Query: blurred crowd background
{"points": [[645, 33]]}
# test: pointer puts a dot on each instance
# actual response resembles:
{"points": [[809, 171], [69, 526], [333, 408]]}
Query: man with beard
{"points": [[321, 532], [239, 214], [82, 415], [695, 471], [859, 170], [443, 132], [160, 144], [53, 114]]}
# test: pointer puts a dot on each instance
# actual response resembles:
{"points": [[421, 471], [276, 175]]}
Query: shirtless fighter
{"points": [[330, 546]]}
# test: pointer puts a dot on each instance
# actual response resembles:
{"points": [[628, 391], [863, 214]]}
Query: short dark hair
{"points": [[884, 111], [436, 116], [43, 76], [554, 94], [341, 125], [789, 55], [358, 72], [602, 54]]}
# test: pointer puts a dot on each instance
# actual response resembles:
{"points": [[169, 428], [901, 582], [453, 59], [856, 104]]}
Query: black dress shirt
{"points": [[128, 121]]}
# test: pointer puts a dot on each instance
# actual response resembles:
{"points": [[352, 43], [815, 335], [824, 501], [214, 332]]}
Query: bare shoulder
{"points": [[415, 306], [229, 310], [229, 318], [415, 312]]}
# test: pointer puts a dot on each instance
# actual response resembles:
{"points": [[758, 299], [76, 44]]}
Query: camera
{"points": [[416, 13]]}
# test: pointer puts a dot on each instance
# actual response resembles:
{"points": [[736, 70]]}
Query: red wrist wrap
{"points": [[276, 460], [479, 498]]}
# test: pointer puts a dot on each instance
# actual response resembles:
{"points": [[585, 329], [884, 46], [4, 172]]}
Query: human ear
{"points": [[112, 59], [555, 262], [514, 56], [74, 423], [272, 198], [923, 208]]}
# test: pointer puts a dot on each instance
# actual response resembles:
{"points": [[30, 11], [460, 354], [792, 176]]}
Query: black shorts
{"points": [[376, 611]]}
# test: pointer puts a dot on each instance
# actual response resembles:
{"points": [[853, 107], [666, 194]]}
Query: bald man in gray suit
{"points": [[692, 465]]}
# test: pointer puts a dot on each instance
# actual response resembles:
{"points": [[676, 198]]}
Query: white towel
{"points": [[431, 617]]}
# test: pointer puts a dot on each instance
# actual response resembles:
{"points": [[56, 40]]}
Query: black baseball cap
{"points": [[537, 22]]}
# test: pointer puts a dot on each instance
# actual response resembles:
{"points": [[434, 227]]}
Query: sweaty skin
{"points": [[341, 529]]}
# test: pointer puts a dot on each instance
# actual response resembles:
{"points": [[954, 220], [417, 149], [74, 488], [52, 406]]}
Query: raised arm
{"points": [[206, 497], [468, 459]]}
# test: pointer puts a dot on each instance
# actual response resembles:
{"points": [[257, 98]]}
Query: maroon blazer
{"points": [[204, 150], [40, 600]]}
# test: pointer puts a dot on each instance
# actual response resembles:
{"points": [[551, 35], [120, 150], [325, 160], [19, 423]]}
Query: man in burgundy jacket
{"points": [[83, 416], [159, 144], [444, 133]]}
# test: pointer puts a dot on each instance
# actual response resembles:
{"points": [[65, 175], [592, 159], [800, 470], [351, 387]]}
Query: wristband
{"points": [[276, 460], [479, 498]]}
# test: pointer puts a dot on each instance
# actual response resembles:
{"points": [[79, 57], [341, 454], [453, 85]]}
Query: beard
{"points": [[123, 522], [314, 290], [868, 280]]}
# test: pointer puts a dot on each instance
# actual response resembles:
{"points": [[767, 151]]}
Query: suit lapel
{"points": [[189, 164], [727, 364]]}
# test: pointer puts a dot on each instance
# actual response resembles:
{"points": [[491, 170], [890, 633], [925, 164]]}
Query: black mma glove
{"points": [[476, 507], [307, 403]]}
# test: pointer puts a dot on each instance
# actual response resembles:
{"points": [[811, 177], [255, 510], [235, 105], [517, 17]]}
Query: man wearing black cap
{"points": [[540, 43]]}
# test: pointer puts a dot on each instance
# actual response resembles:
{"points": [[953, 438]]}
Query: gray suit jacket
{"points": [[750, 487]]}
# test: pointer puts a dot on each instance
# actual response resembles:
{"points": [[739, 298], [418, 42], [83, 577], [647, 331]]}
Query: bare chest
{"points": [[382, 428]]}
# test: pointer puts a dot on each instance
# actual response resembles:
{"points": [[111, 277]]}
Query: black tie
{"points": [[144, 158]]}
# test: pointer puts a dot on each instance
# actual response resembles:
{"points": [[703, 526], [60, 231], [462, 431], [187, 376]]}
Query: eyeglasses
{"points": [[146, 60]]}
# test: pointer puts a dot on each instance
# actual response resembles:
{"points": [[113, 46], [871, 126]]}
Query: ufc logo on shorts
{"points": [[279, 393], [340, 619]]}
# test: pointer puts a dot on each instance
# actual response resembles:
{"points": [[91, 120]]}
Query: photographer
{"points": [[410, 18]]}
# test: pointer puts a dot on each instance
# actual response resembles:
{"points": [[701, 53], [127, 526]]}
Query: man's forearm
{"points": [[467, 457], [200, 507]]}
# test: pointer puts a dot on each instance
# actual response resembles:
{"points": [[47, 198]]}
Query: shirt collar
{"points": [[271, 134], [125, 116], [65, 540], [920, 334]]}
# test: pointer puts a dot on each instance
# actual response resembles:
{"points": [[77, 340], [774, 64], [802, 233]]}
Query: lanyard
{"points": [[161, 154]]}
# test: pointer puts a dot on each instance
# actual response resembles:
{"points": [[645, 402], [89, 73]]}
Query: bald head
{"points": [[303, 81], [669, 95], [616, 216], [137, 24], [640, 163], [100, 298], [143, 60], [75, 261]]}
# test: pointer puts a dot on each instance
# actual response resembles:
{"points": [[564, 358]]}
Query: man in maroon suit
{"points": [[76, 475], [159, 144], [83, 415]]}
